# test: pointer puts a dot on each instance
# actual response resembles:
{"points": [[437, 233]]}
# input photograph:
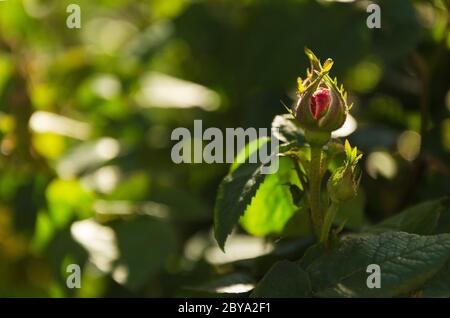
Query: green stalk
{"points": [[329, 218], [314, 189]]}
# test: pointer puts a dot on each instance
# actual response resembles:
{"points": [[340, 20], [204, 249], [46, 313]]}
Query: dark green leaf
{"points": [[439, 285], [299, 225], [443, 225], [236, 191], [234, 195], [407, 261], [144, 244], [296, 194], [284, 280], [352, 212], [420, 219]]}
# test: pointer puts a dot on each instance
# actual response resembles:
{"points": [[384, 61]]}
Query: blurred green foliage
{"points": [[86, 116]]}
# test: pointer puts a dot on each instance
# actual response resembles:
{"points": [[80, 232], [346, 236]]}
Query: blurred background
{"points": [[86, 117]]}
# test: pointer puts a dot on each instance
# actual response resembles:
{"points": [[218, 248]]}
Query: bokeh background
{"points": [[86, 116]]}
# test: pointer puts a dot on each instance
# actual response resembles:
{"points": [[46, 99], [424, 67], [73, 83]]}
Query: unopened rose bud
{"points": [[343, 184], [321, 107]]}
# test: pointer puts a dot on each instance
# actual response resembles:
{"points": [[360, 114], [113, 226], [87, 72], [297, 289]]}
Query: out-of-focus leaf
{"points": [[352, 212], [182, 205], [135, 187], [285, 129], [299, 225], [87, 155], [61, 249], [439, 285], [145, 245], [157, 91], [374, 137], [239, 248], [284, 280], [150, 40], [420, 219], [28, 197], [404, 29], [235, 283], [67, 200], [49, 145]]}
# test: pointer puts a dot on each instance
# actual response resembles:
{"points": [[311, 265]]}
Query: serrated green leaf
{"points": [[419, 219], [284, 280], [407, 261], [272, 206], [234, 195]]}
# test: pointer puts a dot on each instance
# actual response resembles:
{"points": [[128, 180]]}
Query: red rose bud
{"points": [[322, 105], [319, 102]]}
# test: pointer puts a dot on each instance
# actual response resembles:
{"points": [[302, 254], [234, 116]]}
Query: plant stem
{"points": [[329, 218], [314, 189]]}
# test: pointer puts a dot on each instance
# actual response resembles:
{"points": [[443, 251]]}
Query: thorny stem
{"points": [[314, 189], [329, 218]]}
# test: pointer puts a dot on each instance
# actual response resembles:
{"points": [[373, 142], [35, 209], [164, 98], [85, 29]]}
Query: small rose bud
{"points": [[321, 107], [343, 184]]}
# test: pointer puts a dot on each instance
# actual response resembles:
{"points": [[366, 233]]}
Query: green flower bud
{"points": [[321, 105], [344, 182]]}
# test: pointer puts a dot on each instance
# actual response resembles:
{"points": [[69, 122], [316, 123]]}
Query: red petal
{"points": [[320, 101]]}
